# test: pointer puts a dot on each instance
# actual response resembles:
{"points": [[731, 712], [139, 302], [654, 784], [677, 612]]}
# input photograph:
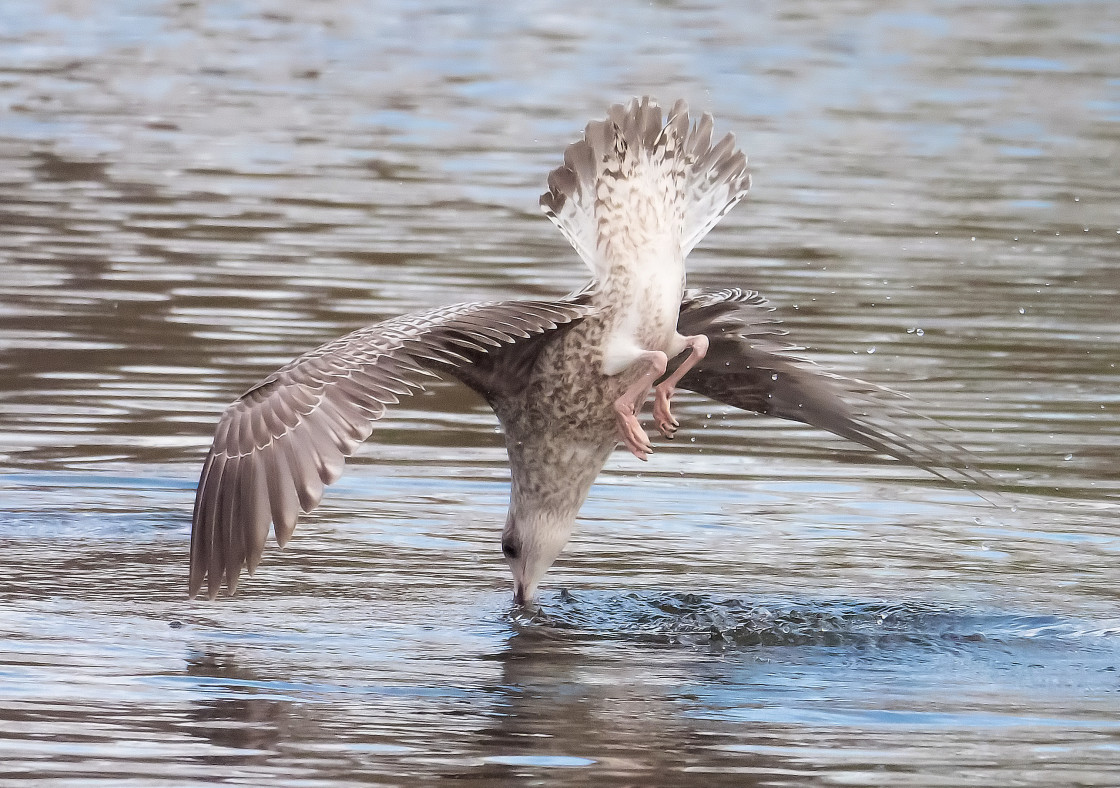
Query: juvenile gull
{"points": [[567, 378]]}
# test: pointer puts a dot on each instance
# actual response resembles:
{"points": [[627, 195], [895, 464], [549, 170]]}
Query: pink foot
{"points": [[666, 424], [663, 393], [626, 407], [631, 432]]}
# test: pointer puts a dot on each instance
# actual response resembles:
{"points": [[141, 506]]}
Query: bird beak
{"points": [[524, 594]]}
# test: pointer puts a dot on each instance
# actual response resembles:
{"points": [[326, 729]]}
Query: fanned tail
{"points": [[637, 186]]}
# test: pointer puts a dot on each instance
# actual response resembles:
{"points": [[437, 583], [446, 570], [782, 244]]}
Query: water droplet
{"points": [[1068, 457], [920, 332], [1022, 311], [871, 350]]}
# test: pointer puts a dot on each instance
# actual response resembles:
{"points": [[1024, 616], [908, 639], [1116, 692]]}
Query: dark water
{"points": [[193, 193]]}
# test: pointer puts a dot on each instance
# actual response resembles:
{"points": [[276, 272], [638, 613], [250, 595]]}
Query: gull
{"points": [[567, 378]]}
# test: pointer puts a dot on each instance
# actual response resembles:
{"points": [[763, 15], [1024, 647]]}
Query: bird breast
{"points": [[640, 304]]}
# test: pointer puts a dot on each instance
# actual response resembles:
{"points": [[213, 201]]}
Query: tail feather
{"points": [[635, 183]]}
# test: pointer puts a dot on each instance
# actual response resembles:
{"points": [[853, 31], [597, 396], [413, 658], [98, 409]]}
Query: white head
{"points": [[531, 542]]}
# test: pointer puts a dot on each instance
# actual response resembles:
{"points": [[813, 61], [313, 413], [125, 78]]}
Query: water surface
{"points": [[192, 194]]}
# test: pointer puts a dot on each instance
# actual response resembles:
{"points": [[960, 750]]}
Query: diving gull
{"points": [[567, 378]]}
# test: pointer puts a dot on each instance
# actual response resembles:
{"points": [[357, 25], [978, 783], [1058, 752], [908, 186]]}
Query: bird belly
{"points": [[644, 318]]}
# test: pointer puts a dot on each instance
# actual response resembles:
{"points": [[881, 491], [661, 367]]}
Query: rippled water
{"points": [[193, 193]]}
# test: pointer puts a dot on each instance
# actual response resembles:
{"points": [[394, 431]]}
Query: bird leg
{"points": [[626, 407], [662, 417]]}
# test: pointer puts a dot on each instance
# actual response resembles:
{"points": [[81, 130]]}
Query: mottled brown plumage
{"points": [[566, 378]]}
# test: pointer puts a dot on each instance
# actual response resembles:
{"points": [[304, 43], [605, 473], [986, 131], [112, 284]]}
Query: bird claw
{"points": [[631, 432], [662, 416]]}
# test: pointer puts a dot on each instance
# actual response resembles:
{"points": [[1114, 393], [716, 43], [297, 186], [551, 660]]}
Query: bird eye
{"points": [[509, 549]]}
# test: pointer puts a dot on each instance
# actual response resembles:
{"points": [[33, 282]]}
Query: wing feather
{"points": [[748, 367], [277, 447], [258, 516], [283, 499]]}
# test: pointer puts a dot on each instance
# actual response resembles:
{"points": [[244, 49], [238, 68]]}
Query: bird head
{"points": [[530, 543]]}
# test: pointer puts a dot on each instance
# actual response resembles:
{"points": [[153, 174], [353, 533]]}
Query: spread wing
{"points": [[750, 367], [282, 441]]}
